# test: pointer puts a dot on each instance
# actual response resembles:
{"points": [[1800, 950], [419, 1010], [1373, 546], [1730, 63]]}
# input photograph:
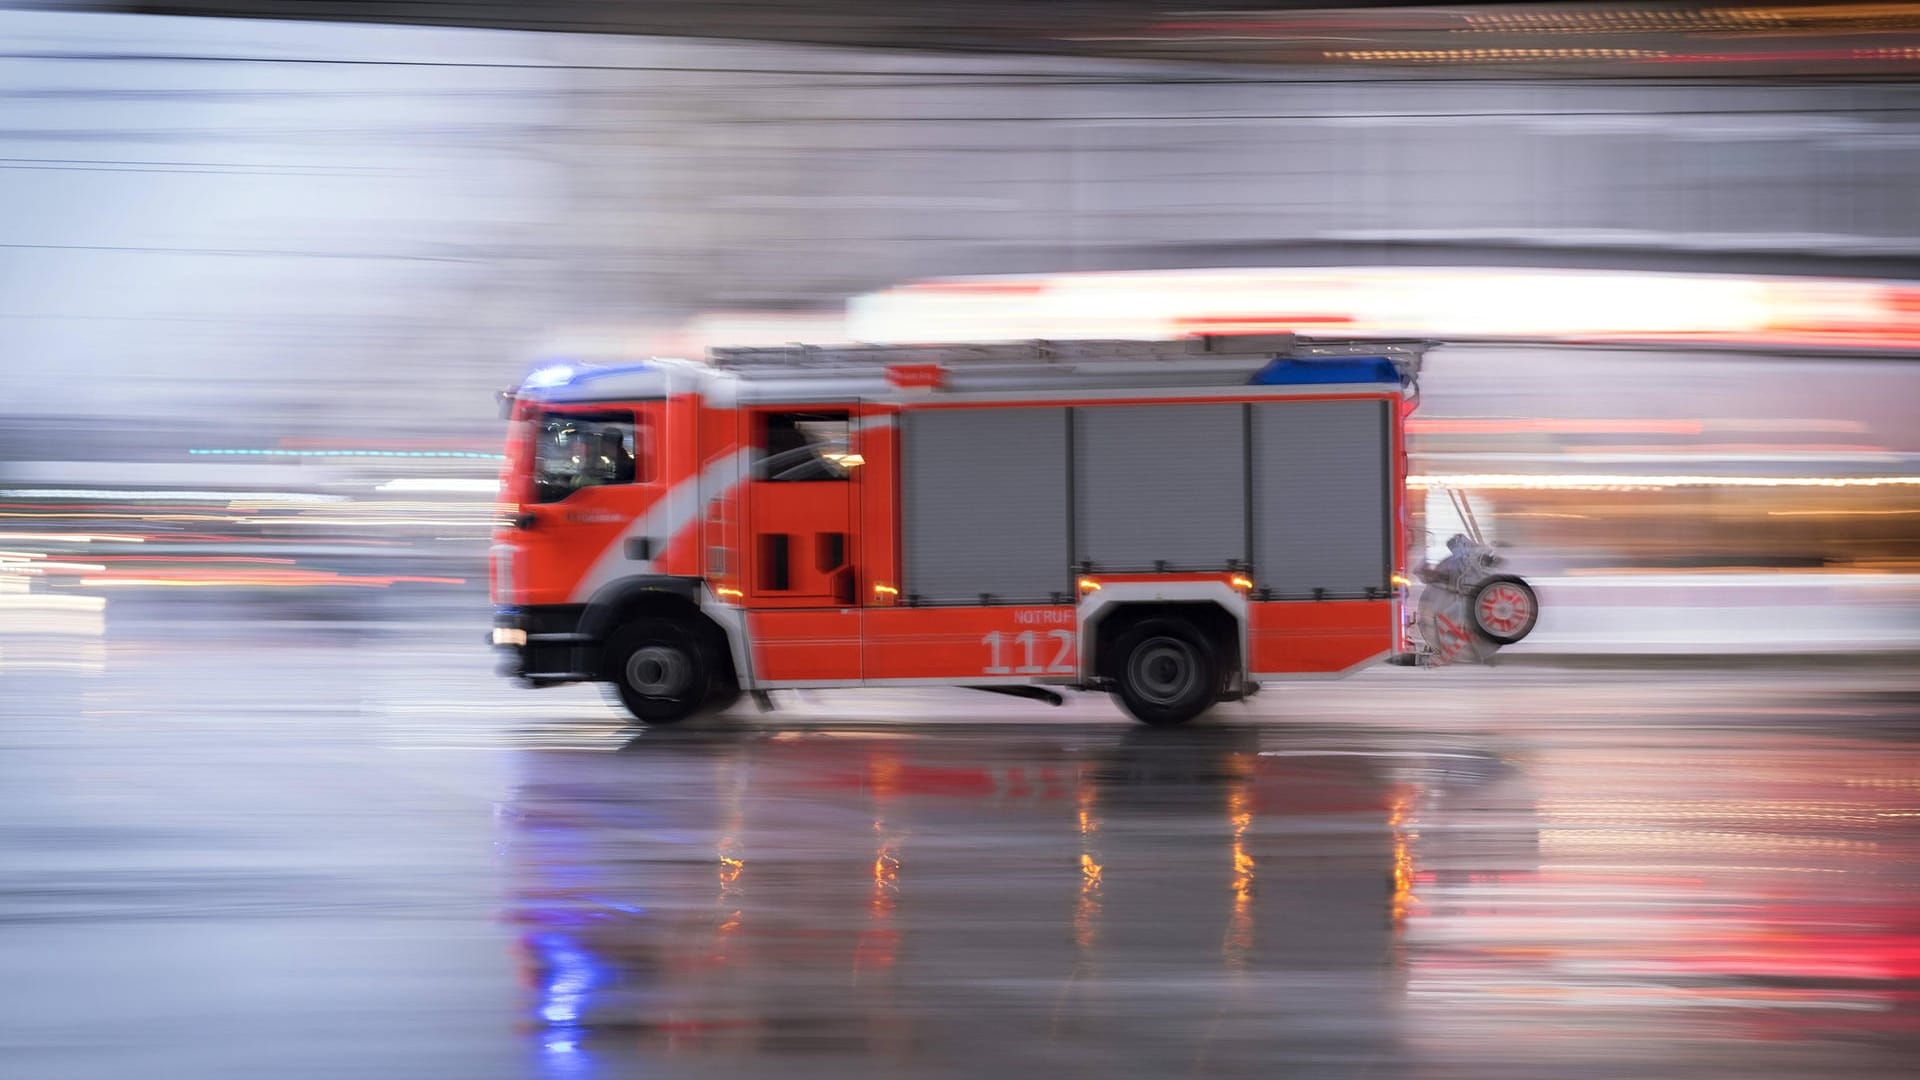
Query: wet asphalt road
{"points": [[245, 851]]}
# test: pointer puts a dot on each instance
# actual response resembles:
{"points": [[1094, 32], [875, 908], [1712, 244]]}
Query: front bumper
{"points": [[543, 645]]}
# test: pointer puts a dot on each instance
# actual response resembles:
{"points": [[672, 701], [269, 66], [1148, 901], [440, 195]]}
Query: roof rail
{"points": [[1405, 352]]}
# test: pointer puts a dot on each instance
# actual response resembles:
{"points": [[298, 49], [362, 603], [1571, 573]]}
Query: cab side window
{"points": [[801, 446], [580, 450]]}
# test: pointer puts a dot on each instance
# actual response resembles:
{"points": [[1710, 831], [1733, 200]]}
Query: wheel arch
{"points": [[684, 599], [1219, 613]]}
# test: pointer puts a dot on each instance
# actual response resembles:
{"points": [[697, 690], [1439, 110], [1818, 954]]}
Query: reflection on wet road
{"points": [[1240, 898], [1527, 874], [954, 899]]}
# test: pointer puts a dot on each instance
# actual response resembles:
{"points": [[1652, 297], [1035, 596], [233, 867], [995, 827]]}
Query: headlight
{"points": [[505, 635]]}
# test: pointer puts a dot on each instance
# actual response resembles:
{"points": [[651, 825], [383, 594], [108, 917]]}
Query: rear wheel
{"points": [[659, 670], [1166, 674]]}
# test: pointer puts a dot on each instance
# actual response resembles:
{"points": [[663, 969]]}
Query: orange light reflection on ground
{"points": [[1086, 910], [1403, 874], [1239, 940]]}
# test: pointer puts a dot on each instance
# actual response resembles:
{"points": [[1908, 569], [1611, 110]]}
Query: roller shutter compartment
{"points": [[1320, 499], [1160, 484], [984, 499]]}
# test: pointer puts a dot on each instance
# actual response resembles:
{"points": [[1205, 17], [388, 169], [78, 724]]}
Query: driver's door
{"points": [[593, 472]]}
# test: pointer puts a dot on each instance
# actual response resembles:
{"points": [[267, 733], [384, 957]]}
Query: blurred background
{"points": [[265, 809], [262, 265]]}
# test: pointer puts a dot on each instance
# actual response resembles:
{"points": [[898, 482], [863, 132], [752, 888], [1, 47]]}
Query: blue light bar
{"points": [[1317, 371], [546, 377]]}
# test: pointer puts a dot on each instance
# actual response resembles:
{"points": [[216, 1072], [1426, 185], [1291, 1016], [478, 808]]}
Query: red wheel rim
{"points": [[1503, 609]]}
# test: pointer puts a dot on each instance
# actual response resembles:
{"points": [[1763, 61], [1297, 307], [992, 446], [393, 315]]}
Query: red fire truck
{"points": [[1172, 521]]}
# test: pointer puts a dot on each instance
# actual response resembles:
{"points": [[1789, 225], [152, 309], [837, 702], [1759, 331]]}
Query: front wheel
{"points": [[658, 670], [1166, 674]]}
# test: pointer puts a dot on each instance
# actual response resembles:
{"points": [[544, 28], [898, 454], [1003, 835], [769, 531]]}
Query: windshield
{"points": [[575, 451]]}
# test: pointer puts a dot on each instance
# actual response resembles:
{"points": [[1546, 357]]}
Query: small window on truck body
{"points": [[801, 446]]}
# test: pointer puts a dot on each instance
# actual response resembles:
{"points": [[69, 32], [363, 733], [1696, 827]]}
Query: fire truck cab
{"points": [[1171, 521]]}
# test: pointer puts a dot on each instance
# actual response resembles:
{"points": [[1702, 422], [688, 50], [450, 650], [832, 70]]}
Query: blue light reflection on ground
{"points": [[569, 975]]}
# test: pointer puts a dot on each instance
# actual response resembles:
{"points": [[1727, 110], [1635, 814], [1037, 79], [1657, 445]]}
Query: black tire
{"points": [[1164, 672], [659, 670], [1503, 609]]}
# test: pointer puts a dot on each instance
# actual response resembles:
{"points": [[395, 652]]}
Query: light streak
{"points": [[1545, 514], [352, 453], [260, 560], [52, 602], [1628, 481], [290, 579], [42, 515], [109, 495], [1485, 56], [429, 483], [1548, 426], [1840, 513], [1587, 307], [77, 538]]}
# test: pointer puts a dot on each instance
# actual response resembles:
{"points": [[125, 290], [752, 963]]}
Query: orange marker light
{"points": [[885, 590], [1087, 584], [1241, 582], [728, 594]]}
